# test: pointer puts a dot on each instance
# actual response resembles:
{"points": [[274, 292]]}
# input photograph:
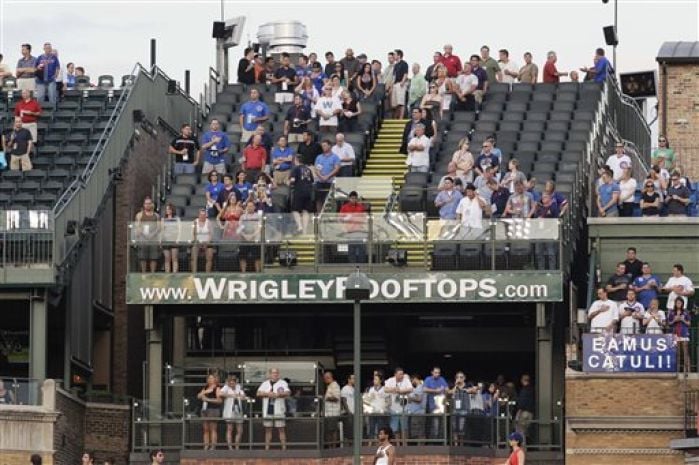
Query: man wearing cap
{"points": [[470, 214], [618, 162], [353, 215]]}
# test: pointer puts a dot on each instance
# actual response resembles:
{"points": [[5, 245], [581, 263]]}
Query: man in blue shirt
{"points": [[215, 144], [487, 159], [282, 158], [602, 67], [26, 69], [447, 200], [646, 286], [608, 196], [326, 166], [435, 387], [252, 113], [47, 69]]}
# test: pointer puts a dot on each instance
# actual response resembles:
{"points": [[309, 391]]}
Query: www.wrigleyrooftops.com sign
{"points": [[223, 288]]}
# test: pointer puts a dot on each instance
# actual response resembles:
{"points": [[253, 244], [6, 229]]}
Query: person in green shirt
{"points": [[491, 67], [665, 152], [418, 87]]}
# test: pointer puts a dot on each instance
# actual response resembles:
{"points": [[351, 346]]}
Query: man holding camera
{"points": [[398, 387], [296, 122]]}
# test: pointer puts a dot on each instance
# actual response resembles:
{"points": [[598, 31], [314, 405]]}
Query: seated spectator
{"points": [[632, 265], [464, 88], [574, 76], [487, 159], [327, 165], [296, 122], [432, 100], [351, 109], [253, 113], [353, 215], [650, 199], [365, 83], [254, 159], [451, 173], [282, 159], [631, 313], [512, 176], [418, 159], [418, 87], [463, 158], [317, 76], [309, 149], [346, 154], [679, 286], [481, 184], [212, 190], [28, 110], [203, 230], [608, 196], [285, 78], [498, 198], [17, 143], [186, 150], [242, 186], [301, 182], [559, 198], [654, 320], [660, 178], [495, 150], [679, 319], [448, 200], [677, 197], [416, 117], [603, 314], [227, 194], [170, 227], [646, 286], [250, 226], [663, 153], [627, 193], [619, 283], [619, 161], [308, 92], [520, 204], [470, 214], [215, 144], [327, 109]]}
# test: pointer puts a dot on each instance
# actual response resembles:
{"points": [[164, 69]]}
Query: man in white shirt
{"points": [[398, 387], [618, 161], [347, 394], [346, 153], [603, 314], [467, 83], [418, 160], [679, 286], [233, 410], [331, 407], [327, 108], [631, 313], [508, 68], [470, 214], [273, 393]]}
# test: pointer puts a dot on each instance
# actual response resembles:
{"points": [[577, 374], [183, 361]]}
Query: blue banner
{"points": [[623, 353]]}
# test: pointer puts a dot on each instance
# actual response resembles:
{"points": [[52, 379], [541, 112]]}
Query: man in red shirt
{"points": [[254, 158], [29, 110], [354, 215], [451, 62], [551, 73]]}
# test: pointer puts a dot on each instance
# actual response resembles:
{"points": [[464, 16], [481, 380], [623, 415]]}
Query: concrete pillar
{"points": [[38, 322], [154, 357], [544, 370], [179, 352]]}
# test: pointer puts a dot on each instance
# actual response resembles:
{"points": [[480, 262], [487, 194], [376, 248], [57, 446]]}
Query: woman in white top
{"points": [[377, 401], [654, 320], [203, 235], [170, 231], [627, 186], [463, 158], [233, 408], [336, 86], [386, 453], [444, 88]]}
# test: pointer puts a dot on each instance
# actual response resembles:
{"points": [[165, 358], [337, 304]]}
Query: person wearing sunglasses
{"points": [[677, 197], [664, 152], [650, 199]]}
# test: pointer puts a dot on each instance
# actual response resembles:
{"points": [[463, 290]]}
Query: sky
{"points": [[110, 36]]}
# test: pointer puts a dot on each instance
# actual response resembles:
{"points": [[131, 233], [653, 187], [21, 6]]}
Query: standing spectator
{"points": [[329, 63], [457, 180], [663, 152], [470, 214], [210, 411], [487, 159], [378, 401], [603, 314], [465, 87], [347, 394], [351, 109], [354, 216], [435, 388], [282, 158], [261, 195], [515, 441], [677, 197], [450, 61], [513, 176], [285, 79], [430, 71], [463, 160], [346, 154], [498, 196], [365, 83], [601, 69], [492, 68], [416, 408], [273, 392], [302, 68], [525, 406], [482, 186], [296, 122], [203, 230], [654, 320], [4, 71], [386, 453], [47, 70], [508, 68], [253, 113], [551, 73], [327, 165], [331, 408], [482, 75], [317, 77], [400, 85], [559, 198], [269, 71], [17, 143], [434, 100], [627, 193], [679, 320], [301, 182], [171, 229], [216, 145], [619, 161], [233, 410], [632, 265], [546, 251], [157, 457], [409, 129], [26, 69], [350, 66], [646, 286], [242, 186], [186, 150], [448, 200], [28, 110], [418, 159], [459, 408], [529, 73], [618, 283], [308, 92], [7, 397], [213, 189], [227, 195], [650, 199], [398, 387], [387, 73], [328, 108], [418, 87], [679, 286], [631, 313], [309, 149], [608, 196], [520, 204], [246, 67], [574, 76]]}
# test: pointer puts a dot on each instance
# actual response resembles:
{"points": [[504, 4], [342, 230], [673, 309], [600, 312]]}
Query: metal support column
{"points": [[544, 372], [38, 321], [358, 420], [179, 352], [154, 357]]}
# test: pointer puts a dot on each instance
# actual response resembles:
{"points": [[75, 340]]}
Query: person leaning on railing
{"points": [[7, 397]]}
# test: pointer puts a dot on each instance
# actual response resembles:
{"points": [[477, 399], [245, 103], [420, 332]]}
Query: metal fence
{"points": [[26, 246]]}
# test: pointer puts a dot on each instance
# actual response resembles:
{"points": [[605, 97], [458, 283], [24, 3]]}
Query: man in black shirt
{"points": [[18, 144], [285, 79], [618, 283], [400, 84], [309, 149], [677, 197], [296, 121], [633, 266], [525, 406], [301, 182], [330, 65], [246, 67], [408, 131], [186, 150]]}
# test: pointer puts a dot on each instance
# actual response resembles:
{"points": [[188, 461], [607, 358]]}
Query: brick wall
{"points": [[682, 104], [69, 431]]}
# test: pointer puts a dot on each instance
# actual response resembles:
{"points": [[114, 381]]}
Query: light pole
{"points": [[357, 289], [616, 32]]}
